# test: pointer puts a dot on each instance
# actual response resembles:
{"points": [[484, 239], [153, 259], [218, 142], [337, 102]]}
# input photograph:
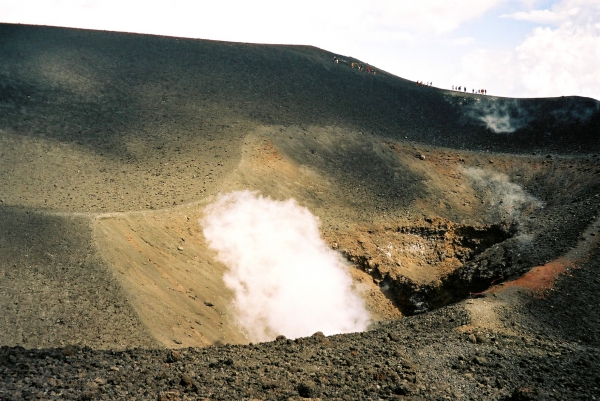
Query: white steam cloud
{"points": [[285, 278], [509, 198], [503, 117]]}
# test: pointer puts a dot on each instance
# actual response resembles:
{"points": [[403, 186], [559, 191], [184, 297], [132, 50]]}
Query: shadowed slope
{"points": [[56, 290], [135, 85]]}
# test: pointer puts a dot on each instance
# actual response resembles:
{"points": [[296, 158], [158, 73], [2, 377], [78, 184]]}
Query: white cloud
{"points": [[269, 21], [550, 61], [563, 60], [576, 11], [537, 16], [427, 16], [462, 41]]}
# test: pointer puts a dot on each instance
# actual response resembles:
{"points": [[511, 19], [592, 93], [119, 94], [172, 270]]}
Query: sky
{"points": [[514, 48]]}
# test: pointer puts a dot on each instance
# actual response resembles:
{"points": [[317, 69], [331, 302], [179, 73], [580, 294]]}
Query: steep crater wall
{"points": [[424, 267]]}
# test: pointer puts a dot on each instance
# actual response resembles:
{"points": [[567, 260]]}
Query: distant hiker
{"points": [[465, 88], [352, 65], [459, 87], [473, 90], [335, 59]]}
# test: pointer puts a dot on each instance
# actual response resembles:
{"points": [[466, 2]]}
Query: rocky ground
{"points": [[470, 223], [509, 346]]}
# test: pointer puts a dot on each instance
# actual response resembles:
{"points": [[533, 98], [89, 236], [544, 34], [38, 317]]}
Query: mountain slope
{"points": [[124, 139]]}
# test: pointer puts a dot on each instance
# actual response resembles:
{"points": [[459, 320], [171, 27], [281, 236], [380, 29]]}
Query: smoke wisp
{"points": [[509, 198], [576, 111], [503, 117], [285, 278]]}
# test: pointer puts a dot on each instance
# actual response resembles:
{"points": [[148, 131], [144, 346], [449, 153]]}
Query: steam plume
{"points": [[508, 197], [501, 117], [285, 278]]}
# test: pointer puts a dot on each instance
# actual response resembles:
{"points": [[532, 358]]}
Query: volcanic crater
{"points": [[469, 224]]}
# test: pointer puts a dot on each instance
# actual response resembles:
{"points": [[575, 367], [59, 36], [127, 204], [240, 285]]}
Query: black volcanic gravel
{"points": [[421, 357]]}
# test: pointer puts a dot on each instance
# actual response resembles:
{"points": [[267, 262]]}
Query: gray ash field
{"points": [[470, 224]]}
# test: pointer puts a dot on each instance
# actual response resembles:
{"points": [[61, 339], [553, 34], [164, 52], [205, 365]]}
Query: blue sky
{"points": [[517, 48]]}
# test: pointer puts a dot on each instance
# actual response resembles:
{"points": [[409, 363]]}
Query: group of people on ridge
{"points": [[369, 70], [360, 67], [461, 89]]}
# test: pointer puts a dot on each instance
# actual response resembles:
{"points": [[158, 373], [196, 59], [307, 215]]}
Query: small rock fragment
{"points": [[69, 350], [523, 394], [480, 360], [307, 389], [171, 395], [481, 339], [269, 384], [405, 388], [186, 380], [174, 356], [100, 381]]}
